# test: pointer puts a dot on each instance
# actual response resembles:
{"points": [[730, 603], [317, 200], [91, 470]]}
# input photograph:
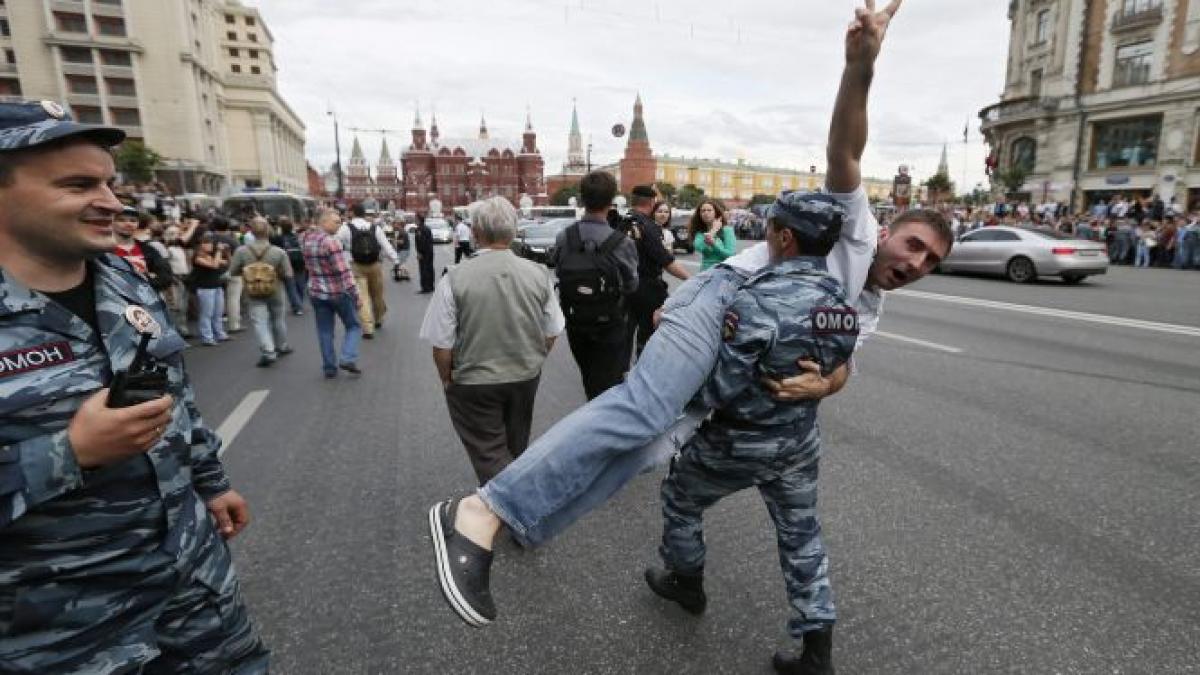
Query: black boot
{"points": [[816, 659], [685, 589]]}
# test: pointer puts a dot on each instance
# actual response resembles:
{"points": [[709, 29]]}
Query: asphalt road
{"points": [[1004, 490]]}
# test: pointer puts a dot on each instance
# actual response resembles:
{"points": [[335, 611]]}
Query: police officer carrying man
{"points": [[653, 259], [114, 506], [791, 310]]}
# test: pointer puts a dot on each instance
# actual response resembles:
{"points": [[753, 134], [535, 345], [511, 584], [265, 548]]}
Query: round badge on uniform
{"points": [[142, 321], [53, 109]]}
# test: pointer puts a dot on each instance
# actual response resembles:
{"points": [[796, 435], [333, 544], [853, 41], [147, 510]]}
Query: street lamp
{"points": [[589, 154], [337, 146]]}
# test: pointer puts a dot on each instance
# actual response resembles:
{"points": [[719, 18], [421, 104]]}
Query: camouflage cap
{"points": [[26, 124], [813, 214]]}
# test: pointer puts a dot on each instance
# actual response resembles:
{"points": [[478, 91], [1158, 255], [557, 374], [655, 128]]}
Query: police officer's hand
{"points": [[231, 512], [809, 385], [101, 435]]}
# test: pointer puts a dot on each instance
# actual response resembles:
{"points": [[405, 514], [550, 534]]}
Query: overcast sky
{"points": [[719, 79]]}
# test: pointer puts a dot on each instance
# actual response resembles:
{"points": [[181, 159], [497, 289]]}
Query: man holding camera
{"points": [[597, 269], [114, 506]]}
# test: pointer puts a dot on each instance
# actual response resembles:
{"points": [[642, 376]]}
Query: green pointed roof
{"points": [[637, 132]]}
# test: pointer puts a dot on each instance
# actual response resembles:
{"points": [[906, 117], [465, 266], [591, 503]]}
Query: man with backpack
{"points": [[597, 269], [264, 270], [366, 243]]}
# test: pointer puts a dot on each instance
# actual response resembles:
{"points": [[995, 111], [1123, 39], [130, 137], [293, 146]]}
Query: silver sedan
{"points": [[1023, 254]]}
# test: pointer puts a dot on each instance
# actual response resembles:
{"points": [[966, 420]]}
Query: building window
{"points": [[87, 114], [229, 19], [252, 37], [232, 35], [126, 117], [4, 30], [255, 70], [111, 26], [234, 53], [75, 54], [112, 57], [1129, 7], [249, 21], [1024, 154], [253, 53], [10, 57], [235, 68], [82, 84], [1133, 64], [1041, 31], [1129, 142], [1035, 83], [10, 87], [119, 86], [70, 23]]}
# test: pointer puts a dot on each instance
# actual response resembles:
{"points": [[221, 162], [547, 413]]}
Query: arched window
{"points": [[1024, 154]]}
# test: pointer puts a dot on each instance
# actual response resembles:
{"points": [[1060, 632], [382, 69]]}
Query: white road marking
{"points": [[232, 426], [1153, 326], [915, 341]]}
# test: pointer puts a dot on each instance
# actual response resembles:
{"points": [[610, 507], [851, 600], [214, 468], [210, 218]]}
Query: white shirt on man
{"points": [[462, 233], [385, 247], [848, 262]]}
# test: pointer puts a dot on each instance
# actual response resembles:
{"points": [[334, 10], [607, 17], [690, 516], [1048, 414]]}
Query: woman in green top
{"points": [[711, 237]]}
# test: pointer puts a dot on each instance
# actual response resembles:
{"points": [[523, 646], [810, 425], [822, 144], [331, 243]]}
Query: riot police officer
{"points": [[114, 505], [653, 260], [793, 309]]}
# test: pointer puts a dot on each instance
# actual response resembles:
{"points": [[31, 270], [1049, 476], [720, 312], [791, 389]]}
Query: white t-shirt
{"points": [[462, 233], [848, 262]]}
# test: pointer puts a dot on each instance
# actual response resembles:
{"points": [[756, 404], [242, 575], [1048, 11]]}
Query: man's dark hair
{"points": [[358, 210], [220, 224], [11, 159], [597, 190], [933, 219], [642, 195]]}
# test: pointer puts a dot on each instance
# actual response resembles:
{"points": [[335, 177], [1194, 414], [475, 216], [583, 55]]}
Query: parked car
{"points": [[679, 228], [535, 240], [1023, 254], [441, 230]]}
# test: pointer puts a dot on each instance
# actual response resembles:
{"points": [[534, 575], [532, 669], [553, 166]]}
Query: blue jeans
{"points": [[212, 306], [270, 324], [593, 452], [325, 311], [295, 290], [1143, 256]]}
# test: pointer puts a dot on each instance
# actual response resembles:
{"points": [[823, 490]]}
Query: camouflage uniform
{"points": [[117, 569], [788, 311]]}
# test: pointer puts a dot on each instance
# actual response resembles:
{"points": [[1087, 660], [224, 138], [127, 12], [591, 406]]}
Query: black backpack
{"points": [[364, 245], [589, 281]]}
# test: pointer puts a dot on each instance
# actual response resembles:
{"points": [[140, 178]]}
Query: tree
{"points": [[667, 190], [1012, 178], [760, 199], [136, 162], [941, 184], [689, 196], [562, 196]]}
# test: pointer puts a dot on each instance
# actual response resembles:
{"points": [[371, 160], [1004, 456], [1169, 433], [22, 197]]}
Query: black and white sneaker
{"points": [[462, 567]]}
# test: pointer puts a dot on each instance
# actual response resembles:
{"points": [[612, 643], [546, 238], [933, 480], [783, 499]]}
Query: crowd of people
{"points": [[1142, 231]]}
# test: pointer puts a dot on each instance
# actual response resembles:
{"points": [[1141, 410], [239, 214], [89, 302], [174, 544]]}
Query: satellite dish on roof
{"points": [[618, 130]]}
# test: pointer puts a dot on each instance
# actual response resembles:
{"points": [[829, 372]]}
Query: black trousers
{"points": [[493, 422], [601, 354], [461, 251], [639, 321], [425, 265]]}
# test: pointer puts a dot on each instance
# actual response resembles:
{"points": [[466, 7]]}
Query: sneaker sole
{"points": [[445, 578]]}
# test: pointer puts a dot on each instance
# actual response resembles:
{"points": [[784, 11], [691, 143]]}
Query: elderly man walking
{"points": [[492, 321]]}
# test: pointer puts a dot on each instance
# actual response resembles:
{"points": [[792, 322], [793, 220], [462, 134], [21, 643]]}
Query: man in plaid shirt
{"points": [[333, 292]]}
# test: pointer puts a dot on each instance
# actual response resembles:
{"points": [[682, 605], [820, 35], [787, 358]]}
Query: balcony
{"points": [[122, 101], [72, 6], [117, 71], [1137, 18], [87, 100], [78, 69], [1017, 110], [114, 11]]}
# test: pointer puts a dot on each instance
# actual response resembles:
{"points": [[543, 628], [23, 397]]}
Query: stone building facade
{"points": [[1101, 98]]}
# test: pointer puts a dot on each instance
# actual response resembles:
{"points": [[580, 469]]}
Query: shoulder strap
{"points": [[611, 244], [574, 238]]}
